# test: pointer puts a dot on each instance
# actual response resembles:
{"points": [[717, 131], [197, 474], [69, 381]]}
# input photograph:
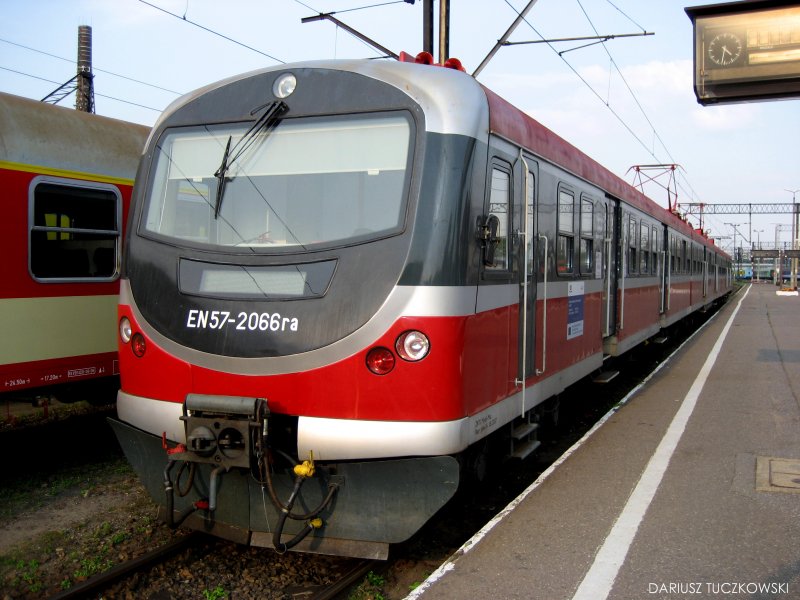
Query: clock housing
{"points": [[746, 50]]}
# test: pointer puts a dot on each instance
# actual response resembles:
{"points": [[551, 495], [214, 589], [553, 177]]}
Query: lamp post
{"points": [[737, 258], [795, 231], [758, 232]]}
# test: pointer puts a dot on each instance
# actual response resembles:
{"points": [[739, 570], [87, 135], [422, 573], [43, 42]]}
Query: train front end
{"points": [[290, 360]]}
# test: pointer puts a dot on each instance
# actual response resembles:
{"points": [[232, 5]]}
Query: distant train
{"points": [[66, 178], [343, 278]]}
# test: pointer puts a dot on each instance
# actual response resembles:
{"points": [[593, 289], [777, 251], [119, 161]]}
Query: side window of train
{"points": [[500, 209], [565, 246], [74, 229], [685, 257], [529, 214], [587, 237], [633, 240], [644, 249], [656, 251]]}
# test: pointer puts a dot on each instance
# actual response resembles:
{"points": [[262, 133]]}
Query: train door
{"points": [[612, 228], [498, 289], [663, 274], [527, 268]]}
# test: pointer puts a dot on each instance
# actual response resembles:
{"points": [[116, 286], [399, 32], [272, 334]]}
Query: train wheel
{"points": [[476, 463]]}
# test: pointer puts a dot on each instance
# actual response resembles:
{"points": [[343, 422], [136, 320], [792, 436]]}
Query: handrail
{"points": [[623, 271], [544, 311], [609, 299], [524, 308]]}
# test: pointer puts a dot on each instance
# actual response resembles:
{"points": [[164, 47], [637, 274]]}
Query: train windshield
{"points": [[304, 182]]}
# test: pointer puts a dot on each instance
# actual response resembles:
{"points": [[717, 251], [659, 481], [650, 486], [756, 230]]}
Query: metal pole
{"points": [[444, 31], [427, 26], [505, 37], [84, 97], [795, 231], [350, 30]]}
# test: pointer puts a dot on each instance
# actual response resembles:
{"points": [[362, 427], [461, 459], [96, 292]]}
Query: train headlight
{"points": [[413, 345], [284, 85], [380, 360], [125, 330]]}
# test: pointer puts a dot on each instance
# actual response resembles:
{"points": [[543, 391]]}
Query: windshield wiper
{"points": [[264, 123]]}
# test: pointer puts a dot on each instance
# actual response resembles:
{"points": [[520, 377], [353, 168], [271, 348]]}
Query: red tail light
{"points": [[380, 360], [138, 344]]}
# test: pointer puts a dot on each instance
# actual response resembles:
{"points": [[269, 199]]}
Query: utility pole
{"points": [[83, 82], [737, 257], [84, 97], [795, 232], [427, 26], [444, 31]]}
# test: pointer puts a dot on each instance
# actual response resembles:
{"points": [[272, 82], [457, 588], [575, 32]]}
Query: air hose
{"points": [[332, 487], [302, 471], [169, 494]]}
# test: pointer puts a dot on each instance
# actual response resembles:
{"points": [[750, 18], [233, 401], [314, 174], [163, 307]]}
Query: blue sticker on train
{"points": [[574, 309]]}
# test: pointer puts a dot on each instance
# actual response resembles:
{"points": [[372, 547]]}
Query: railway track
{"points": [[195, 564], [116, 581]]}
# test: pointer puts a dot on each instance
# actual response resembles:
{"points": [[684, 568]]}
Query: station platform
{"points": [[691, 489]]}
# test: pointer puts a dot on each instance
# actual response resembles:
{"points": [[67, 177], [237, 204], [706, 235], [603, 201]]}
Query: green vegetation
{"points": [[369, 589], [218, 593]]}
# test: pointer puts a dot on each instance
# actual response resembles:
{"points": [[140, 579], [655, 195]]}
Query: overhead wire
{"points": [[158, 110], [634, 96], [72, 61], [212, 31], [312, 9], [599, 96]]}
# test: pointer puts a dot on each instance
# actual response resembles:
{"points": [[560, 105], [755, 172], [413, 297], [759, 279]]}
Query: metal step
{"points": [[525, 449], [524, 430], [605, 376], [661, 339], [523, 437]]}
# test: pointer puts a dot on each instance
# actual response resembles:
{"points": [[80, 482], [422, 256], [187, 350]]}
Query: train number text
{"points": [[244, 321]]}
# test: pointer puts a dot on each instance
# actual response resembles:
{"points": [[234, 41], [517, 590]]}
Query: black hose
{"points": [[169, 494], [280, 547], [332, 487], [183, 491]]}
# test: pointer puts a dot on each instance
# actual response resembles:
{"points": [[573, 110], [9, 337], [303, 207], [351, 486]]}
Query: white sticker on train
{"points": [[242, 321]]}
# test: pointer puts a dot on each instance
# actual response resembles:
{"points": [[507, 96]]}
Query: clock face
{"points": [[724, 49]]}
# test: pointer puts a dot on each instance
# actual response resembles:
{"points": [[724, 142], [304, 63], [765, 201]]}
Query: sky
{"points": [[626, 102]]}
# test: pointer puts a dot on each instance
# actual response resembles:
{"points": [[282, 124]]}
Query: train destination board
{"points": [[745, 51]]}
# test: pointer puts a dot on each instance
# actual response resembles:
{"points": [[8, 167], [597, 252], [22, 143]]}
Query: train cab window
{"points": [[633, 240], [305, 182], [587, 237], [499, 205], [74, 231], [644, 249], [565, 249]]}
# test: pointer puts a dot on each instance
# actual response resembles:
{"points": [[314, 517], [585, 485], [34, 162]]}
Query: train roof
{"points": [[43, 137], [454, 102], [512, 123]]}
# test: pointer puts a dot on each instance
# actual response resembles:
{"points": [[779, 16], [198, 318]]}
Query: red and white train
{"points": [[342, 277], [66, 178]]}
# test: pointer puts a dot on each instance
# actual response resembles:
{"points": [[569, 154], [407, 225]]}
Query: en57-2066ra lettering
{"points": [[243, 321]]}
